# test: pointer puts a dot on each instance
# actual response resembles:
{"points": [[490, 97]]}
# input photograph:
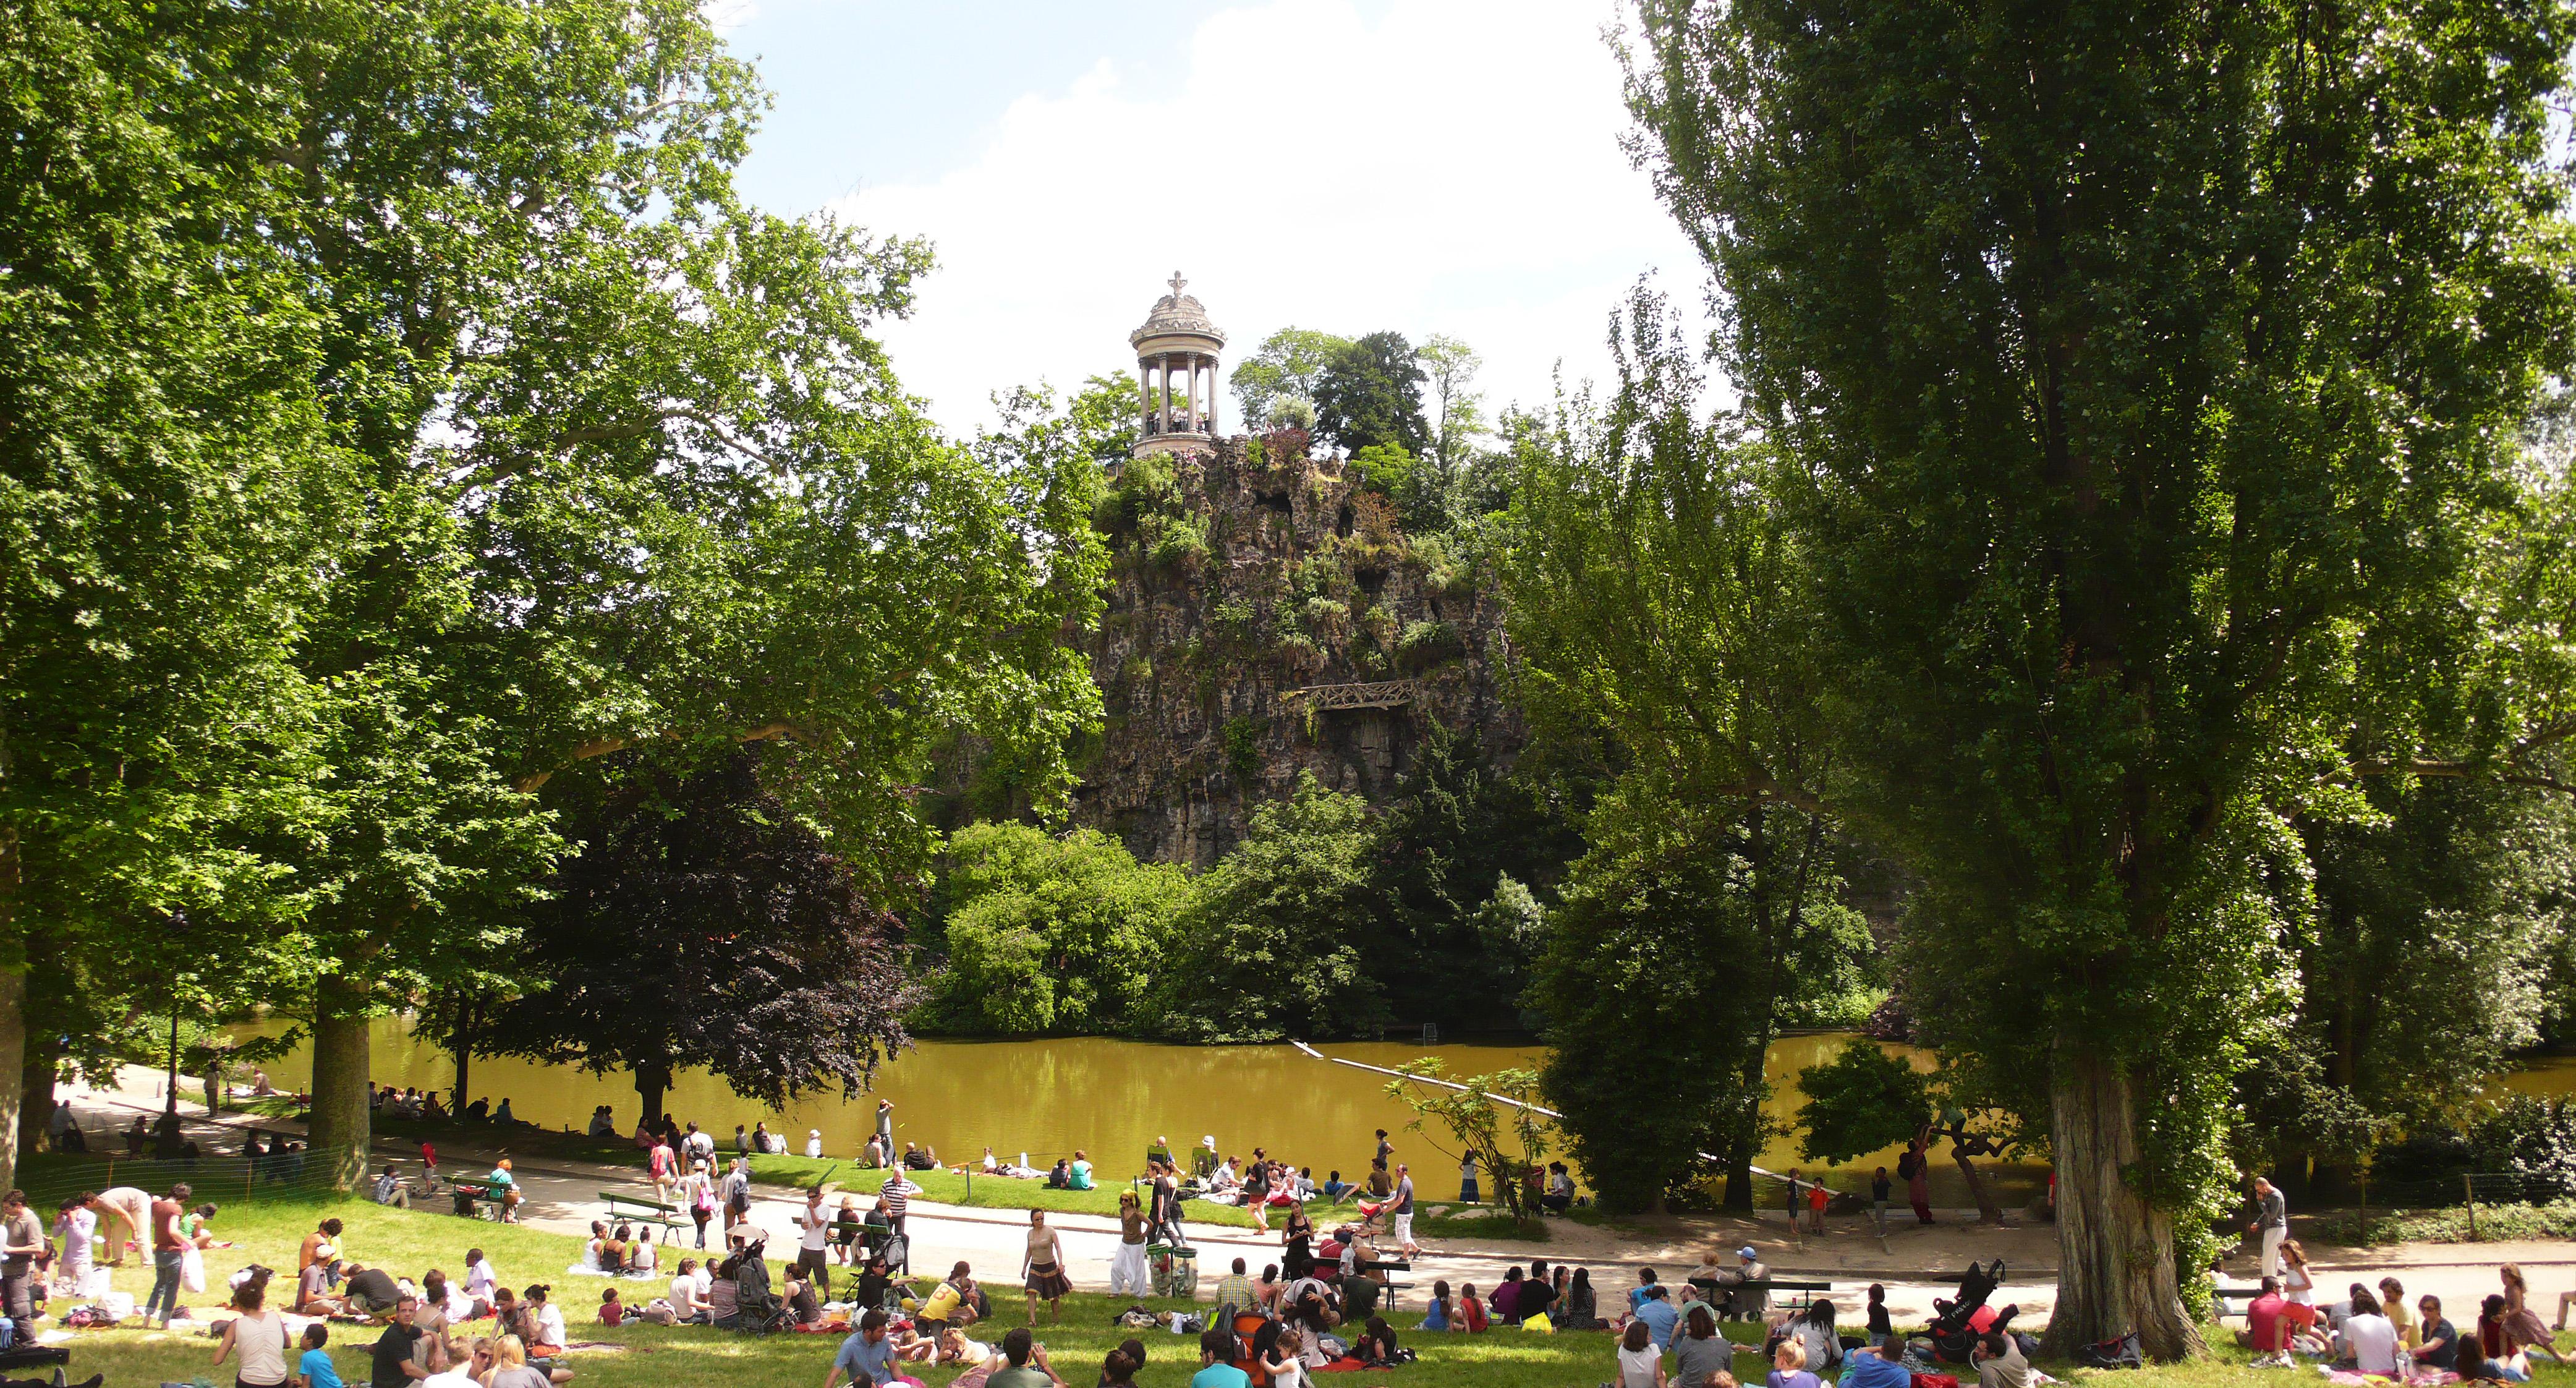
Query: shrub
{"points": [[1243, 749], [1425, 644]]}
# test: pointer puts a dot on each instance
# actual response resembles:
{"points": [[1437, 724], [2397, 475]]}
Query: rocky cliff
{"points": [[1253, 587]]}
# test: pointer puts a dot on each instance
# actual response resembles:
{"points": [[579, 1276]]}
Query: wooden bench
{"points": [[647, 1211], [1718, 1293]]}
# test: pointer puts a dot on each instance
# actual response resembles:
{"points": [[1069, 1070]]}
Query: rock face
{"points": [[1245, 573]]}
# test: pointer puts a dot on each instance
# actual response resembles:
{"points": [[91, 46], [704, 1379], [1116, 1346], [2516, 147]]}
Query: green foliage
{"points": [[1660, 618], [1505, 1137], [1423, 644], [1457, 934], [1243, 736], [1385, 468], [1276, 383], [1370, 394], [1274, 943], [2151, 387], [1656, 1053], [1457, 416], [1863, 1100], [1046, 934]]}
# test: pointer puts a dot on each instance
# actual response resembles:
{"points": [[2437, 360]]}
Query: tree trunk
{"points": [[652, 1082], [13, 1051], [2115, 1251], [469, 1029], [342, 1127], [1739, 1178], [37, 1076], [1988, 1212], [13, 990]]}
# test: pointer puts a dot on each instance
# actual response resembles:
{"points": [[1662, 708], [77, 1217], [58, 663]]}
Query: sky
{"points": [[1429, 166]]}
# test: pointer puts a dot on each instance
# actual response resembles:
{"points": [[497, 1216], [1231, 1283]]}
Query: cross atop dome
{"points": [[1176, 282]]}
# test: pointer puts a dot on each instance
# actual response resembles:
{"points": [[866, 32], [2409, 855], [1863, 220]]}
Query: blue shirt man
{"points": [[1876, 1368], [1660, 1317], [1214, 1371], [867, 1357]]}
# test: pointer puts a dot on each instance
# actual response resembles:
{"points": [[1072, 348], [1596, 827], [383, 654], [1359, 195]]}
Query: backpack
{"points": [[2126, 1352]]}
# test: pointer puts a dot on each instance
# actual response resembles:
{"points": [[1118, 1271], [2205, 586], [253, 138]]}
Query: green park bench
{"points": [[645, 1211]]}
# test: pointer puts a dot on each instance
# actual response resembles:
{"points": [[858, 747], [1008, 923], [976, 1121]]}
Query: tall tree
{"points": [[1274, 942], [2135, 366], [1284, 370], [169, 506], [1370, 395], [1457, 413], [637, 476], [1657, 606], [704, 925]]}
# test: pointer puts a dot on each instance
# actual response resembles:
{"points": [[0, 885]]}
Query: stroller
{"points": [[759, 1309], [895, 1248], [1957, 1326]]}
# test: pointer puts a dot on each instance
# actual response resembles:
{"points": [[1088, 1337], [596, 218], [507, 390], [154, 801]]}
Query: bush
{"points": [[1425, 644], [1243, 749], [1047, 934]]}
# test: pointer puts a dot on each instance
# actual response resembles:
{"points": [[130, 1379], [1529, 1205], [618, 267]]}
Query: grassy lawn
{"points": [[268, 1228]]}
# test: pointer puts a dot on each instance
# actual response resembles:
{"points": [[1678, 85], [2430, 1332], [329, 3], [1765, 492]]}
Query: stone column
{"points": [[1144, 394], [1167, 392], [1195, 362], [1211, 396]]}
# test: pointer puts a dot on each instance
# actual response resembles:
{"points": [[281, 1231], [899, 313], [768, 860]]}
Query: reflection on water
{"points": [[1111, 1098]]}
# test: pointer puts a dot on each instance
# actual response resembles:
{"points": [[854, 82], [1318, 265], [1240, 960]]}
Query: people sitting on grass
{"points": [[1881, 1365], [1641, 1363], [1440, 1314], [2523, 1325], [2439, 1341], [1789, 1367], [1579, 1311], [1699, 1350], [2503, 1358], [611, 1310], [1660, 1316], [1999, 1362], [1471, 1310], [2367, 1338]]}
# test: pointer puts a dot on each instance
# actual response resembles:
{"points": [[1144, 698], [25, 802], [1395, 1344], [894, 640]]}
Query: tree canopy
{"points": [[2149, 384], [1370, 395], [702, 925]]}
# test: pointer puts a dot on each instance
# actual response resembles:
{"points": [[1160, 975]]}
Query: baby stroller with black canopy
{"points": [[759, 1309], [895, 1248], [1974, 1287]]}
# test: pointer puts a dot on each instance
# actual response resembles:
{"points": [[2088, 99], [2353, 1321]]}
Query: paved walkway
{"points": [[1915, 1263]]}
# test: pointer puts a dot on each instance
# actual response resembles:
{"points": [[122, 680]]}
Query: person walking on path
{"points": [[1043, 1269], [698, 1195], [2272, 1223], [1879, 1188], [1916, 1168], [1467, 1192], [885, 1129], [1127, 1272], [1402, 1209], [1817, 1196]]}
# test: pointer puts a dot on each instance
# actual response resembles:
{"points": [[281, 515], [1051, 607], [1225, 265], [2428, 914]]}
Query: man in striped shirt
{"points": [[898, 1191]]}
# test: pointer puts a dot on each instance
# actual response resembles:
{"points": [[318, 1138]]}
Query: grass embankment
{"points": [[525, 1141], [1010, 1193], [267, 1227], [2493, 1224]]}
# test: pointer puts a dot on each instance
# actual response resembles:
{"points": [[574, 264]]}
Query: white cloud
{"points": [[1451, 166]]}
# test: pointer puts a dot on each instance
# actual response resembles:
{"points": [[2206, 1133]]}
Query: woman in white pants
{"points": [[1127, 1273]]}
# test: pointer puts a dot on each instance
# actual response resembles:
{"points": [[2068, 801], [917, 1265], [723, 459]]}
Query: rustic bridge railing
{"points": [[1382, 694]]}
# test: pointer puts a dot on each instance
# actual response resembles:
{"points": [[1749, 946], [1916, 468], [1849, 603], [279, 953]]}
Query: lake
{"points": [[1112, 1098]]}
